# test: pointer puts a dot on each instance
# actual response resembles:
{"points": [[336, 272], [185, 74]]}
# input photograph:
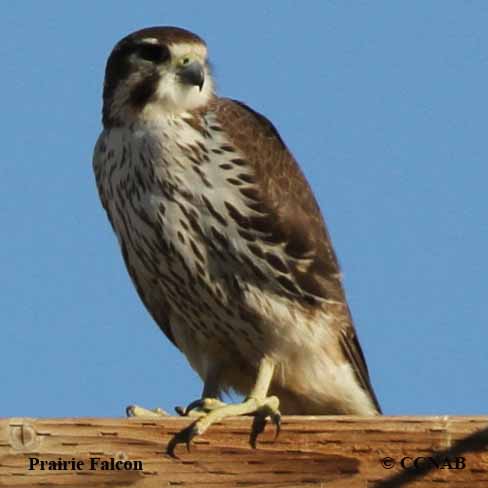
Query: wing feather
{"points": [[291, 215]]}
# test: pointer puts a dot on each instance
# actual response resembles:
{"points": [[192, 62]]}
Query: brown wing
{"points": [[352, 350], [290, 214]]}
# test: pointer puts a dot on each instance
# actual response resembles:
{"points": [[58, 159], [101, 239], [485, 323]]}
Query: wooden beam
{"points": [[316, 452]]}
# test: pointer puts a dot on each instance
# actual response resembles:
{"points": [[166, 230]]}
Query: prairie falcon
{"points": [[223, 239]]}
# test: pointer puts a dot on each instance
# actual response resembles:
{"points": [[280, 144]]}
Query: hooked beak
{"points": [[192, 74]]}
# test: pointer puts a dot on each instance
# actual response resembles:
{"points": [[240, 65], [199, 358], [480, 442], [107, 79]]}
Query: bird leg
{"points": [[257, 404]]}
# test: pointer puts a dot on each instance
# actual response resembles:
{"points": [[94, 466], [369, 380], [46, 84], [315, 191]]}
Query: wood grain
{"points": [[336, 451]]}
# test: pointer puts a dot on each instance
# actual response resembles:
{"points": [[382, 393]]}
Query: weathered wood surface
{"points": [[310, 452]]}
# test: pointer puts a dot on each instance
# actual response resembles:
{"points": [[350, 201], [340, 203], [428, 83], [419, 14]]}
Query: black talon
{"points": [[183, 412], [258, 425], [277, 422], [193, 405], [170, 448], [180, 411], [183, 437]]}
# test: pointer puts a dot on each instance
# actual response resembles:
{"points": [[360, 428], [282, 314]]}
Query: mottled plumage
{"points": [[220, 231]]}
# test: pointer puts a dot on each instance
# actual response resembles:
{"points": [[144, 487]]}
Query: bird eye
{"points": [[153, 53]]}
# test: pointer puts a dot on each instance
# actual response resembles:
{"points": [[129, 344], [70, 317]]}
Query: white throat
{"points": [[174, 97]]}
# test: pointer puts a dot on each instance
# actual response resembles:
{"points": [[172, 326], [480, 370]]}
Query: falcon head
{"points": [[154, 70]]}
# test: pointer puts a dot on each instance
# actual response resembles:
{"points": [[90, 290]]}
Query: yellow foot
{"points": [[136, 411], [260, 408]]}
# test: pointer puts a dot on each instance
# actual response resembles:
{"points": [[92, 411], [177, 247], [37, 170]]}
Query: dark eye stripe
{"points": [[153, 52]]}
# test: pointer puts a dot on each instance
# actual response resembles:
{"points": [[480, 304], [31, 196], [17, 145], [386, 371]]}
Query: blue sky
{"points": [[384, 104]]}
